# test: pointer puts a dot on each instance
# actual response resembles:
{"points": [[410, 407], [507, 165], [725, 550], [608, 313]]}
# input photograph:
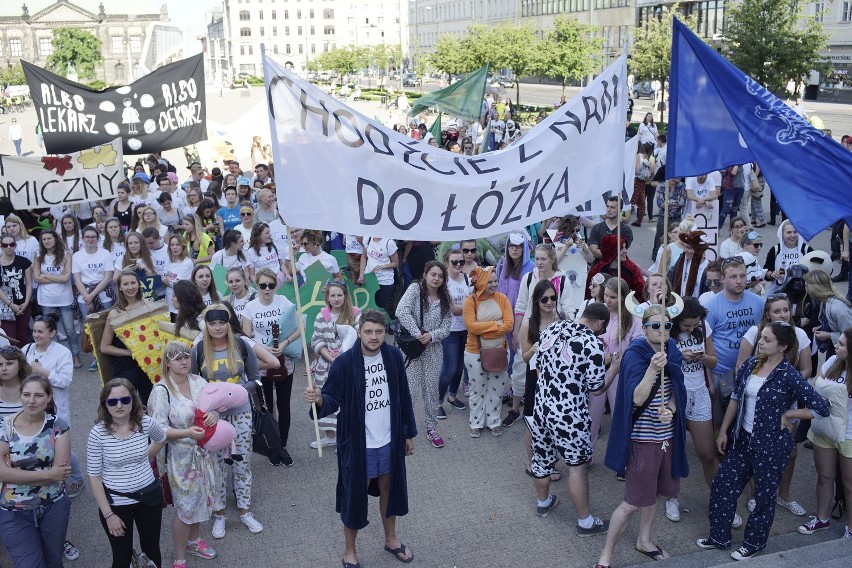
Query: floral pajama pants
{"points": [[423, 374], [486, 392], [242, 469], [740, 465]]}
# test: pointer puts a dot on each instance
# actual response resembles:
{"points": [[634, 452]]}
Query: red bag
{"points": [[164, 480]]}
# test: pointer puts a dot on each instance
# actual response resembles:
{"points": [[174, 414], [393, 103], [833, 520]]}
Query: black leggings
{"points": [[283, 388], [148, 521]]}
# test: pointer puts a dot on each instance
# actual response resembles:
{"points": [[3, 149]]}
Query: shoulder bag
{"points": [[266, 439], [407, 343], [493, 359], [832, 427]]}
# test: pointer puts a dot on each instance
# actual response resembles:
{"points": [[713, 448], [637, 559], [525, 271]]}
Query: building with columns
{"points": [[134, 41]]}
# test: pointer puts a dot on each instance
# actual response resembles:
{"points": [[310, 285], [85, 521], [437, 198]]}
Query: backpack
{"points": [[644, 171]]}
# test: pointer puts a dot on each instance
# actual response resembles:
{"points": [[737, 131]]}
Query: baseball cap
{"points": [[242, 180]]}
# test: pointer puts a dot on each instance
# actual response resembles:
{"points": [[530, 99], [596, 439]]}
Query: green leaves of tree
{"points": [[774, 42], [78, 47]]}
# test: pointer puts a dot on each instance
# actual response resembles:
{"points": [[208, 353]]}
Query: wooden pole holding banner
{"points": [[618, 274], [665, 292], [301, 324], [299, 321]]}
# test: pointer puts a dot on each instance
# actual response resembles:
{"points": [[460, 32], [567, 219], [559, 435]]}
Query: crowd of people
{"points": [[561, 322]]}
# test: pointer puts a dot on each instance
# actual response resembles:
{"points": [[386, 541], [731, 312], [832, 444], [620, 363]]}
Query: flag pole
{"points": [[302, 332], [618, 271], [665, 292], [294, 276]]}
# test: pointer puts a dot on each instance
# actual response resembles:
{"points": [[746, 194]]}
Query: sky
{"points": [[191, 13]]}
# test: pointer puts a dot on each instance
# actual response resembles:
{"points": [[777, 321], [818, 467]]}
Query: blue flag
{"points": [[721, 117]]}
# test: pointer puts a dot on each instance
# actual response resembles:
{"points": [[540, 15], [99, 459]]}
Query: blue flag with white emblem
{"points": [[721, 117]]}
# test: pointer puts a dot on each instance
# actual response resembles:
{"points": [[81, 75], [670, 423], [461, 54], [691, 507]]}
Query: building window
{"points": [[245, 15], [117, 44], [299, 30], [312, 30], [245, 32], [846, 12], [286, 30], [119, 73], [242, 50], [301, 49], [262, 32], [260, 15], [328, 30], [274, 15], [251, 49], [275, 49], [287, 49], [313, 48], [298, 14], [45, 47], [135, 44], [311, 13], [286, 14], [328, 14], [274, 31]]}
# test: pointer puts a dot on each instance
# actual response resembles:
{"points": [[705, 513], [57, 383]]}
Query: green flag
{"points": [[462, 99], [435, 129]]}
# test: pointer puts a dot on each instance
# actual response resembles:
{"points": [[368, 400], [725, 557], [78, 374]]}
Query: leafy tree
{"points": [[77, 47], [12, 76], [650, 55], [569, 51], [449, 56], [343, 60], [511, 47], [774, 42]]}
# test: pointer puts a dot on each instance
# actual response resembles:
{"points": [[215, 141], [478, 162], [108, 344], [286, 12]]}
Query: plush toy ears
{"points": [[638, 310], [817, 260]]}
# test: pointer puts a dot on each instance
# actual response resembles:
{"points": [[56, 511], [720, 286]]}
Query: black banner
{"points": [[163, 110]]}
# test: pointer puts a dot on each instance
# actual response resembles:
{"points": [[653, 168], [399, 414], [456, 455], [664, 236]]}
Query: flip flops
{"points": [[401, 551], [657, 554]]}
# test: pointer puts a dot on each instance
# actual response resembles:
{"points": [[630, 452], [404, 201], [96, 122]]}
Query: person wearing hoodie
{"points": [[608, 264], [647, 437], [688, 272], [511, 269], [790, 249], [488, 319]]}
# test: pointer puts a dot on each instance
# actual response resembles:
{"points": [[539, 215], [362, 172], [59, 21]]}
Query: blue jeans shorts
{"points": [[378, 461]]}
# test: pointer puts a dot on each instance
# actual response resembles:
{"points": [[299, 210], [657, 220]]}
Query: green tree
{"points": [[512, 47], [449, 56], [774, 42], [12, 76], [76, 47], [570, 50], [650, 55], [343, 60]]}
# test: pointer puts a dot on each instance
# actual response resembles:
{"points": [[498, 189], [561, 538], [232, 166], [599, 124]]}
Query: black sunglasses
{"points": [[713, 283], [547, 299], [468, 251], [657, 325], [457, 262], [266, 286], [125, 400]]}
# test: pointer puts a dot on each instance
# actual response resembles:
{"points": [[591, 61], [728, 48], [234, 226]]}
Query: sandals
{"points": [[402, 550], [350, 565], [657, 554]]}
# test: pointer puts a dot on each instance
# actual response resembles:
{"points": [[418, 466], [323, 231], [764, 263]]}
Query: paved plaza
{"points": [[471, 504]]}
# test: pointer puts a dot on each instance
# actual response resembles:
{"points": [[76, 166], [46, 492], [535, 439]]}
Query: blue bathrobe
{"points": [[345, 390], [634, 363]]}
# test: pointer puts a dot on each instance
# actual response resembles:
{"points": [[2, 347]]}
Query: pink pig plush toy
{"points": [[221, 397]]}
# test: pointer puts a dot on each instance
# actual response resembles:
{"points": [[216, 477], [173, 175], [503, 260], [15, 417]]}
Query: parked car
{"points": [[411, 80], [503, 81], [643, 89]]}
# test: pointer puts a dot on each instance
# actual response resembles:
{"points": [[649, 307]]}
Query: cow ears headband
{"points": [[638, 310]]}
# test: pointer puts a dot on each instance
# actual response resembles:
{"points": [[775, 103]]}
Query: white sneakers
{"points": [[218, 526], [253, 525], [248, 520], [673, 510]]}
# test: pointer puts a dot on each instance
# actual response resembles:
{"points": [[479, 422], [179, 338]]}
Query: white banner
{"points": [[33, 183], [342, 171]]}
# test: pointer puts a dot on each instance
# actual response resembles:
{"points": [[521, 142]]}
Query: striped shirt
{"points": [[122, 463], [647, 427], [9, 408]]}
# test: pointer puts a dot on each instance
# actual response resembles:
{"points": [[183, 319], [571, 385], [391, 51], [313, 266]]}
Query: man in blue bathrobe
{"points": [[375, 428]]}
